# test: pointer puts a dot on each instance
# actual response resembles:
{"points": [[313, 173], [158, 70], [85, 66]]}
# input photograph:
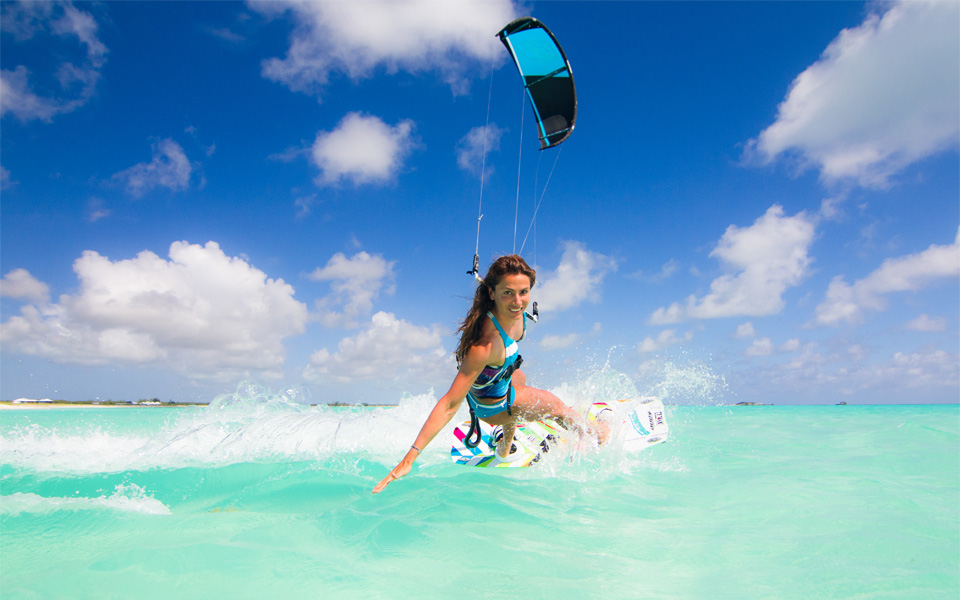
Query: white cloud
{"points": [[928, 374], [559, 342], [745, 331], [665, 339], [362, 149], [20, 284], [883, 95], [357, 38], [473, 147], [830, 209], [760, 347], [915, 369], [791, 345], [356, 283], [96, 210], [766, 347], [305, 204], [388, 349], [845, 302], [77, 84], [927, 323], [767, 258], [201, 313], [169, 168], [577, 278]]}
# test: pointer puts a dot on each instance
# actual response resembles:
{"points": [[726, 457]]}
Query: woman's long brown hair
{"points": [[472, 325]]}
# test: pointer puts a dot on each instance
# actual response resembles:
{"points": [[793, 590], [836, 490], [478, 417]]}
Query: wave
{"points": [[249, 426], [126, 498]]}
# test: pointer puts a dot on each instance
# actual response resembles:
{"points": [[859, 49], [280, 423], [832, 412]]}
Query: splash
{"points": [[603, 384], [692, 383]]}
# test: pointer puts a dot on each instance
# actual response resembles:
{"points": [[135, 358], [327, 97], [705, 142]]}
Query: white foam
{"points": [[127, 498], [254, 428]]}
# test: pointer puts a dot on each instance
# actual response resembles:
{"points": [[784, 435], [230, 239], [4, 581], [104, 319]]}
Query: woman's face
{"points": [[511, 296]]}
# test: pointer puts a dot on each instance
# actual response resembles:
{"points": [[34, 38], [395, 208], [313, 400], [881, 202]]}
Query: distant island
{"points": [[145, 402], [761, 404], [26, 402]]}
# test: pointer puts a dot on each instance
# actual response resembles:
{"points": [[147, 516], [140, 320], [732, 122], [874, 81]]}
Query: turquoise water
{"points": [[265, 498]]}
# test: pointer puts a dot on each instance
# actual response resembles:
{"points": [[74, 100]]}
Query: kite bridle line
{"points": [[539, 202], [483, 168], [516, 212]]}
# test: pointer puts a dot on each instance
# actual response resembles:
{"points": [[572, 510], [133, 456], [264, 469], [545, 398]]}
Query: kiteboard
{"points": [[635, 425]]}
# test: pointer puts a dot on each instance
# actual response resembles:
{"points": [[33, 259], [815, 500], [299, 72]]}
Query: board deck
{"points": [[636, 424]]}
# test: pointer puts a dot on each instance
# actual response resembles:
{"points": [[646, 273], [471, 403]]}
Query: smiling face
{"points": [[511, 297]]}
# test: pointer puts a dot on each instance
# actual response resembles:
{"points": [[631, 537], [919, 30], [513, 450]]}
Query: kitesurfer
{"points": [[488, 377]]}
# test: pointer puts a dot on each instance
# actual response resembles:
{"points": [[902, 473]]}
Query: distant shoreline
{"points": [[10, 405]]}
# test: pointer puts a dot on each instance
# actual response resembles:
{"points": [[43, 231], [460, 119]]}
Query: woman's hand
{"points": [[398, 471], [441, 414]]}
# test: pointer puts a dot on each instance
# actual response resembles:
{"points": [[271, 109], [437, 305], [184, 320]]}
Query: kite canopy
{"points": [[546, 76]]}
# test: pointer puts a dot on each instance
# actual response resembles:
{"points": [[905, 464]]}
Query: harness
{"points": [[474, 420]]}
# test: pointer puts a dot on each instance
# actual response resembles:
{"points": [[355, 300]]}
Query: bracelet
{"points": [[419, 451]]}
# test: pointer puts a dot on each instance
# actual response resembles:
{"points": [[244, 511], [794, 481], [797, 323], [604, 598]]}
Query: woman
{"points": [[488, 377]]}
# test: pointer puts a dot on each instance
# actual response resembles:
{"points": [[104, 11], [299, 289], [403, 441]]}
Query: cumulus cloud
{"points": [[475, 145], [357, 38], [766, 258], [791, 345], [559, 342], [760, 347], [927, 323], [916, 369], [200, 313], [168, 168], [356, 283], [882, 96], [362, 149], [20, 284], [388, 349], [745, 331], [812, 374], [847, 303], [68, 26], [577, 278], [765, 347], [665, 339]]}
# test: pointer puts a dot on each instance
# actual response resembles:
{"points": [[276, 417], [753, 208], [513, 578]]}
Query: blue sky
{"points": [[762, 194]]}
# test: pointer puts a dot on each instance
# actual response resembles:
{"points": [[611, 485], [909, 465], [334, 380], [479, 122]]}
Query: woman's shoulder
{"points": [[485, 349], [478, 354]]}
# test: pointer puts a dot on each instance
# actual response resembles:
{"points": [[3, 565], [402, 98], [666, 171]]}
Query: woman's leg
{"points": [[532, 404], [535, 405]]}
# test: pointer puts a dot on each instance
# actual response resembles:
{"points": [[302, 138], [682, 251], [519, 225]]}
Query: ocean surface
{"points": [[259, 496]]}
